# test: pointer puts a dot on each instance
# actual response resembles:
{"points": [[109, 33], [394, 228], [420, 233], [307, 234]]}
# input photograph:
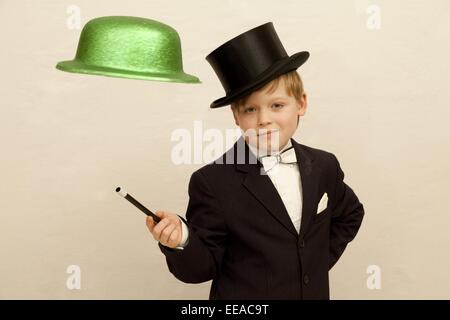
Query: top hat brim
{"points": [[76, 66], [277, 69]]}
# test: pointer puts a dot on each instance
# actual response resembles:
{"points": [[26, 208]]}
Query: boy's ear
{"points": [[302, 104], [235, 117]]}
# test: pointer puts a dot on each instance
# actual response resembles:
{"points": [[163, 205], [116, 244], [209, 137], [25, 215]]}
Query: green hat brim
{"points": [[80, 67]]}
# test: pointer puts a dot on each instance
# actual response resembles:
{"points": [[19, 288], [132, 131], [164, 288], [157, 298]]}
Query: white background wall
{"points": [[378, 99]]}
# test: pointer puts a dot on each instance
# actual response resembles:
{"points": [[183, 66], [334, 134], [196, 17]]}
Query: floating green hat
{"points": [[129, 47]]}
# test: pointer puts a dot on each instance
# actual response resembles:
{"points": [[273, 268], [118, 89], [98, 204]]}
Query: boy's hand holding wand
{"points": [[164, 226]]}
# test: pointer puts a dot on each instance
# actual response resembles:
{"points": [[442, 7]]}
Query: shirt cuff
{"points": [[184, 235]]}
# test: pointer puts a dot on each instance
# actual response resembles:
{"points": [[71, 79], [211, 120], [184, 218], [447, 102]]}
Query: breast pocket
{"points": [[322, 215]]}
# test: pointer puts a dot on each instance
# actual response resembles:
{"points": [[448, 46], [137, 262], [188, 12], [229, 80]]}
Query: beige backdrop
{"points": [[378, 99]]}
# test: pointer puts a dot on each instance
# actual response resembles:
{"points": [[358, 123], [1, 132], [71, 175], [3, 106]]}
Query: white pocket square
{"points": [[322, 203]]}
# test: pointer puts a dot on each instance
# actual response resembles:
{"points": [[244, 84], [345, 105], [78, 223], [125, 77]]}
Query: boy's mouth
{"points": [[269, 132]]}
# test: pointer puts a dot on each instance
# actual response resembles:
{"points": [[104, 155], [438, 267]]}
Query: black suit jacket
{"points": [[242, 238]]}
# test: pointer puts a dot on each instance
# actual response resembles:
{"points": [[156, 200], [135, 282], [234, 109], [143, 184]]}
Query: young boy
{"points": [[271, 217]]}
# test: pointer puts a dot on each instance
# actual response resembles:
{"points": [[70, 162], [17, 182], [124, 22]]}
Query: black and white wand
{"points": [[137, 204]]}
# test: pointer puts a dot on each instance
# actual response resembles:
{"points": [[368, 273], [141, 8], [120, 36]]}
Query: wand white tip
{"points": [[122, 192]]}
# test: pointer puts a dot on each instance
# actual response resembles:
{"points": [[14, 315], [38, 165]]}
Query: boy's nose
{"points": [[263, 118]]}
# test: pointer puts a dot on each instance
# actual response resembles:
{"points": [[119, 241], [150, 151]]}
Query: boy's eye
{"points": [[276, 105]]}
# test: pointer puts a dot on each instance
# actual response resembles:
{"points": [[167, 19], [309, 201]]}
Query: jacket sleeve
{"points": [[346, 216], [201, 258]]}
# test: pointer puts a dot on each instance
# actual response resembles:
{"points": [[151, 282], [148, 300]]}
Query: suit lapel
{"points": [[310, 177], [261, 187]]}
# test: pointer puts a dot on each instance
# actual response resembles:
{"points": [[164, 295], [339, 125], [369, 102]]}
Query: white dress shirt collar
{"points": [[259, 153]]}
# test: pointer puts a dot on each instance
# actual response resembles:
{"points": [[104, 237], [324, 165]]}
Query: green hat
{"points": [[129, 47]]}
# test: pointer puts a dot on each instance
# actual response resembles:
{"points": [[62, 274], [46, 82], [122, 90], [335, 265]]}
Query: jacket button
{"points": [[306, 279], [301, 243]]}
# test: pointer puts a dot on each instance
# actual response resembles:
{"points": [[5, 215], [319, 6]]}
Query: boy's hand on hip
{"points": [[168, 230]]}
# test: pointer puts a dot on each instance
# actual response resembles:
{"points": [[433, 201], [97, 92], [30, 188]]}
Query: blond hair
{"points": [[293, 85]]}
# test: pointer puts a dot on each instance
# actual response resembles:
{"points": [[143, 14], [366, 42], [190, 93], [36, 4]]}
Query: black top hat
{"points": [[251, 60]]}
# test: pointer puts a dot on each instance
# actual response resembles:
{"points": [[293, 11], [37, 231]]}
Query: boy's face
{"points": [[265, 112]]}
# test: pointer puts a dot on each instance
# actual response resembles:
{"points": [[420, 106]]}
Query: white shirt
{"points": [[286, 179]]}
